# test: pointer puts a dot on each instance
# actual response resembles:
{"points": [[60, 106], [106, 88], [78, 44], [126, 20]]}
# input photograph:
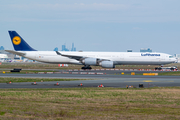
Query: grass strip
{"points": [[174, 73], [90, 103], [27, 71], [8, 79]]}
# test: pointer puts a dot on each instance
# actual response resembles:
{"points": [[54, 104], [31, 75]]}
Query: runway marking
{"points": [[156, 81], [170, 81], [142, 81], [132, 81], [149, 81]]}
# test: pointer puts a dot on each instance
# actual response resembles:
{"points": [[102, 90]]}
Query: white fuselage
{"points": [[118, 58]]}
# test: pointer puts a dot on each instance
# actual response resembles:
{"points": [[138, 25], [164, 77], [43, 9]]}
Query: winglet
{"points": [[58, 53]]}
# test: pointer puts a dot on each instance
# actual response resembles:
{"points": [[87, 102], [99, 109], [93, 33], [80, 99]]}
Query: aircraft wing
{"points": [[79, 58], [71, 56], [15, 52]]}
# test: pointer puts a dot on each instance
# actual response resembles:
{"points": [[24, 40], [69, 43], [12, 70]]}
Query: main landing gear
{"points": [[86, 67]]}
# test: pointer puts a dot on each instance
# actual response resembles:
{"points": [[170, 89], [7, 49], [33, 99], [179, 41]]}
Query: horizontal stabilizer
{"points": [[15, 52]]}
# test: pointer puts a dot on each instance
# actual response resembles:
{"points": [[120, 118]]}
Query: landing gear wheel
{"points": [[86, 67], [89, 68]]}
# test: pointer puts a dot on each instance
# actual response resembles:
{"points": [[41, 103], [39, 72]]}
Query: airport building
{"points": [[9, 57], [145, 50], [3, 57], [6, 56]]}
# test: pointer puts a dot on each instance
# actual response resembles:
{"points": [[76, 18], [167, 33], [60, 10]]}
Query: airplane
{"points": [[88, 59]]}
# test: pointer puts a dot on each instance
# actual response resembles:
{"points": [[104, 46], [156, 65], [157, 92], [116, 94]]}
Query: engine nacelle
{"points": [[89, 61], [107, 64]]}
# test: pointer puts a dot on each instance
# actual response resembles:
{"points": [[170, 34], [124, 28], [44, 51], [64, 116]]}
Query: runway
{"points": [[107, 80], [82, 76]]}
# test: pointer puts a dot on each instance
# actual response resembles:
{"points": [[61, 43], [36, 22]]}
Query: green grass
{"points": [[175, 73], [8, 79], [90, 103]]}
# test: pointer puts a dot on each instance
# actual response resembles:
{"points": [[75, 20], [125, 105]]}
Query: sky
{"points": [[94, 25]]}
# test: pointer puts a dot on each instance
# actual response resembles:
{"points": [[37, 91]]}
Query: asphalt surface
{"points": [[127, 71], [84, 76], [108, 80]]}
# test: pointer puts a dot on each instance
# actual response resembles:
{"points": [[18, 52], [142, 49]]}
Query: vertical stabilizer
{"points": [[19, 43]]}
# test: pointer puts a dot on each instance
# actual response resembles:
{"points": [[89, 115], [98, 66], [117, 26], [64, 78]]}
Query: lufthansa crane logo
{"points": [[16, 40]]}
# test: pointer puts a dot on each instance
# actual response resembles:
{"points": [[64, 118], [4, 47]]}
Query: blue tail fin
{"points": [[18, 42]]}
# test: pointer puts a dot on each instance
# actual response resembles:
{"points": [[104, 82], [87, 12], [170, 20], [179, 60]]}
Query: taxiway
{"points": [[107, 80]]}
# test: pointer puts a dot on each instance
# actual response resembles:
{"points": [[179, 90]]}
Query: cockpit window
{"points": [[170, 56]]}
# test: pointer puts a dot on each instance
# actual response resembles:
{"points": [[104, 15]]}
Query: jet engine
{"points": [[107, 64], [89, 61]]}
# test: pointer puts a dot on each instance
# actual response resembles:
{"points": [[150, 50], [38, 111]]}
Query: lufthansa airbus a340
{"points": [[103, 59]]}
